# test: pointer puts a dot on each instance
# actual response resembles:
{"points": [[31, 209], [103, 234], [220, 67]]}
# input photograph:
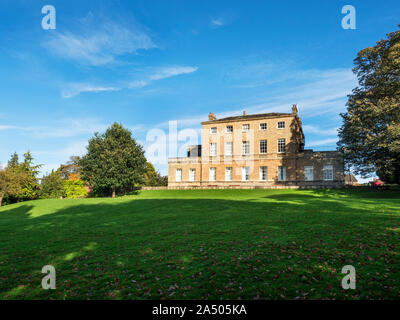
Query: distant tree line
{"points": [[114, 164]]}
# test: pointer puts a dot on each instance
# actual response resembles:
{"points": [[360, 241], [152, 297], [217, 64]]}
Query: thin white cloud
{"points": [[137, 84], [217, 22], [7, 127], [168, 72], [325, 142], [320, 131], [99, 41], [74, 89], [65, 128]]}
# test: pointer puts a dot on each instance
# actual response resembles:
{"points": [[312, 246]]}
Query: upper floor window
{"points": [[228, 148], [281, 173], [192, 174], [263, 173], [281, 145], [328, 172], [246, 147], [178, 175], [281, 124], [229, 129], [245, 127], [213, 149], [263, 126], [213, 174], [213, 130], [263, 146]]}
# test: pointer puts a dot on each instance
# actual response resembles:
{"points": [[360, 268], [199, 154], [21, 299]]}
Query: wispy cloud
{"points": [[325, 142], [99, 42], [218, 22], [137, 84], [320, 131], [74, 89], [168, 72], [65, 128], [7, 127]]}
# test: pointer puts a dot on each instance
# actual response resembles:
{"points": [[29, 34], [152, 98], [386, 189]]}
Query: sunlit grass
{"points": [[204, 244]]}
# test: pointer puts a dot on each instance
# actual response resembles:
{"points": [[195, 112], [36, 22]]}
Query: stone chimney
{"points": [[294, 109], [244, 113], [212, 116]]}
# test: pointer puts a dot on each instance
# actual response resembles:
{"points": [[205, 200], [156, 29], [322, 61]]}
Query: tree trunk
{"points": [[113, 192], [1, 199]]}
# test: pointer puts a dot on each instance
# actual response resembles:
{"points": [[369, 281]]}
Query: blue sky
{"points": [[145, 63]]}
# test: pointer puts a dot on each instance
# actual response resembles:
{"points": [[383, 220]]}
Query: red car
{"points": [[377, 184]]}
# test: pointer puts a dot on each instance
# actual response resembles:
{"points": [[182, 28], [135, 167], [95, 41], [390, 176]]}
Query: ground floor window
{"points": [[192, 174], [281, 173], [178, 175], [228, 174], [328, 172], [308, 173], [213, 174], [263, 173], [245, 173]]}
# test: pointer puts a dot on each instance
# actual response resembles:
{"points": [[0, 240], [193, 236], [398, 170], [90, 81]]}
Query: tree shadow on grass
{"points": [[197, 249]]}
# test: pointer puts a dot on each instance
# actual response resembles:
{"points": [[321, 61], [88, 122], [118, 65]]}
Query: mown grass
{"points": [[204, 244]]}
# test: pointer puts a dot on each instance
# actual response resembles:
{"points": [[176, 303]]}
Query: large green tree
{"points": [[370, 135], [4, 184], [19, 180], [52, 185], [114, 162]]}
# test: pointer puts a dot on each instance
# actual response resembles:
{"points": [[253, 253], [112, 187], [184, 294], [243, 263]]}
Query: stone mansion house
{"points": [[255, 151]]}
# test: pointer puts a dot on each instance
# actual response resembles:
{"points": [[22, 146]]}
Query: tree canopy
{"points": [[370, 134], [18, 181], [153, 178], [114, 161]]}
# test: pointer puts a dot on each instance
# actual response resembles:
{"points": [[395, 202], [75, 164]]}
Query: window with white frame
{"points": [[263, 126], [228, 148], [213, 174], [229, 129], [281, 173], [308, 173], [178, 175], [245, 173], [328, 172], [213, 130], [263, 174], [246, 147], [281, 145], [213, 149], [192, 174], [228, 174], [245, 127], [263, 146], [281, 124]]}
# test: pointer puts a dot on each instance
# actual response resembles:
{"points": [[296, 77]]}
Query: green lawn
{"points": [[205, 244]]}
